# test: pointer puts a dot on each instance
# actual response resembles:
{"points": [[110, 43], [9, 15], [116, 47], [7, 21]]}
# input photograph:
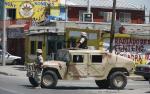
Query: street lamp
{"points": [[112, 31]]}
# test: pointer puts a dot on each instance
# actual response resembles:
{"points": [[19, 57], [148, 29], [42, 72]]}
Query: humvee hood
{"points": [[124, 58], [54, 63]]}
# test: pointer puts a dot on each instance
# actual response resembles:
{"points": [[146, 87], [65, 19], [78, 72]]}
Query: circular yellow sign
{"points": [[26, 10]]}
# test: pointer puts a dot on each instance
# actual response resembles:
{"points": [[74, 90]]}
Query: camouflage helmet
{"points": [[39, 50], [84, 34]]}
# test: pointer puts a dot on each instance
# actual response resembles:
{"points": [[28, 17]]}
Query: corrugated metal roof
{"points": [[121, 4]]}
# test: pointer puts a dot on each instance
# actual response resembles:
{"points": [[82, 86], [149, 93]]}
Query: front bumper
{"points": [[147, 75]]}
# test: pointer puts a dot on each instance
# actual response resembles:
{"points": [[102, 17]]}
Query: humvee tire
{"points": [[117, 80], [102, 84], [49, 79], [33, 82]]}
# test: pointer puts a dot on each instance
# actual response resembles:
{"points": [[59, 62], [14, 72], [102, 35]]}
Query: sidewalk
{"points": [[13, 70], [19, 70]]}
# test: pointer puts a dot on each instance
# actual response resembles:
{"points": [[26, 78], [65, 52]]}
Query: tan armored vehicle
{"points": [[107, 69]]}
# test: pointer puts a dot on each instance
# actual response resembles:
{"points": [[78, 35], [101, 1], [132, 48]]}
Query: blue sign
{"points": [[61, 17], [1, 9]]}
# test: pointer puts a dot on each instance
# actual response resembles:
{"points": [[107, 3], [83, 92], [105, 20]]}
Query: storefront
{"points": [[45, 38], [16, 40]]}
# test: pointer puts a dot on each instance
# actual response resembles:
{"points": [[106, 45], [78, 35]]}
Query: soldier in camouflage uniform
{"points": [[39, 64], [82, 43]]}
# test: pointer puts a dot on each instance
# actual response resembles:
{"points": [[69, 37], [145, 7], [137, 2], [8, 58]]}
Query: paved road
{"points": [[21, 85]]}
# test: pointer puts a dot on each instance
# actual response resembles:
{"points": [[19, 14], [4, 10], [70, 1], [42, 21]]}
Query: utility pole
{"points": [[89, 7], [4, 36], [112, 31]]}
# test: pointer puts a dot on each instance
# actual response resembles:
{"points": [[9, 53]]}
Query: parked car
{"points": [[107, 69], [143, 70], [10, 59]]}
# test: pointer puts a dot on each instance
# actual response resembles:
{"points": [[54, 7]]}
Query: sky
{"points": [[141, 3]]}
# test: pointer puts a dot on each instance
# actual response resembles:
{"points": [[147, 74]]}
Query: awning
{"points": [[25, 26], [17, 26]]}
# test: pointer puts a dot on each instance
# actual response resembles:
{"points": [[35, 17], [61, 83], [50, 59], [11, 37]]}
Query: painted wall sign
{"points": [[136, 49], [26, 10], [15, 33], [34, 9], [10, 4]]}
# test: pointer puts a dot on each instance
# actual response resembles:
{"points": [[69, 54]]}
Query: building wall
{"points": [[137, 17]]}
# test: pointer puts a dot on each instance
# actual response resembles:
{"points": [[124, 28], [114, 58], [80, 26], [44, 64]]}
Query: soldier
{"points": [[82, 43], [39, 63]]}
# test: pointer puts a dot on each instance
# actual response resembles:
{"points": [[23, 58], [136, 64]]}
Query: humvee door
{"points": [[96, 66], [78, 66]]}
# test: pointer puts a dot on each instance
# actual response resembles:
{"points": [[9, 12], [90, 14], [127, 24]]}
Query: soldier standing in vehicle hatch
{"points": [[82, 43], [39, 63]]}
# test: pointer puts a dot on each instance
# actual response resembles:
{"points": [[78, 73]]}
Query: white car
{"points": [[10, 59]]}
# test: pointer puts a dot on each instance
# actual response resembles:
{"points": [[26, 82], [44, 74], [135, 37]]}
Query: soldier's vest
{"points": [[84, 44]]}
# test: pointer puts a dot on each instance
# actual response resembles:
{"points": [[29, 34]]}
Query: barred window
{"points": [[125, 17], [97, 58], [78, 58]]}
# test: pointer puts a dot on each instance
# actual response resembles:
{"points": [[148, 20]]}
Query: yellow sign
{"points": [[26, 10], [33, 8]]}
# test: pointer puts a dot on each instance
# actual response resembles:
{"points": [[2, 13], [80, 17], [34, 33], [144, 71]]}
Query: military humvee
{"points": [[107, 69]]}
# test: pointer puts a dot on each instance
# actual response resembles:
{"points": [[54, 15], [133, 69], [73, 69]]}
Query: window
{"points": [[97, 58], [81, 14], [51, 45], [33, 47], [125, 17], [11, 14], [107, 16], [40, 45], [78, 58], [88, 17]]}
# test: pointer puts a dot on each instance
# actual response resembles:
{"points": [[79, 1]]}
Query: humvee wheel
{"points": [[33, 82], [49, 79], [117, 80], [103, 84]]}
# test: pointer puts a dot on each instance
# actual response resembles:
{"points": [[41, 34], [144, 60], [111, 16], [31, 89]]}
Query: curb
{"points": [[135, 77], [7, 74]]}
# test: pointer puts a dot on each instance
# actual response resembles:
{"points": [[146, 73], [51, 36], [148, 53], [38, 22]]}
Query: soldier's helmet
{"points": [[84, 34], [39, 50]]}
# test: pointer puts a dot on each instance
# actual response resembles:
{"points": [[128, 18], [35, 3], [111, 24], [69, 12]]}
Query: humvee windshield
{"points": [[63, 55]]}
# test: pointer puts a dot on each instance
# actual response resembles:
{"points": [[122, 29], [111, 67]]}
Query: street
{"points": [[21, 85]]}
